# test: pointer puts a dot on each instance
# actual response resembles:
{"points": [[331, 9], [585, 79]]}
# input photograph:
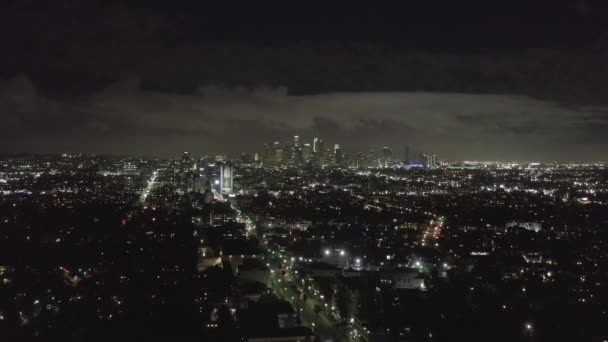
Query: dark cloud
{"points": [[570, 77], [468, 118], [325, 127], [126, 118], [72, 47], [504, 122], [523, 128], [517, 81]]}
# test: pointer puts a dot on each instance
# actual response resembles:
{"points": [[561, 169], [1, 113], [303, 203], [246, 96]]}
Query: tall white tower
{"points": [[226, 178]]}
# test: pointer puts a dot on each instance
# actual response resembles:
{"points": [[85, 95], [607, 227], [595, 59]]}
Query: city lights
{"points": [[360, 242]]}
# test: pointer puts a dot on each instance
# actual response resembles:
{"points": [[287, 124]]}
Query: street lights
{"points": [[529, 329]]}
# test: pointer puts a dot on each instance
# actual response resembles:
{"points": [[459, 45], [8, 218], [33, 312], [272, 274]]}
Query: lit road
{"points": [[430, 235], [321, 323], [283, 285], [149, 187], [285, 288]]}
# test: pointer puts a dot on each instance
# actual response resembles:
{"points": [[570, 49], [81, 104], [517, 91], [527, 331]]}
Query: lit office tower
{"points": [[298, 155], [226, 178], [320, 154], [360, 160], [307, 153], [273, 154], [430, 160], [245, 158], [278, 152], [294, 152], [314, 144], [320, 146], [338, 155], [187, 162], [371, 158], [269, 154], [387, 155]]}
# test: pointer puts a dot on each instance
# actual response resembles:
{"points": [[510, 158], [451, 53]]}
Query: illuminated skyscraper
{"points": [[371, 158], [360, 160], [338, 156], [273, 154], [320, 154], [387, 156], [298, 155], [278, 155], [314, 144], [269, 154], [293, 153], [226, 178], [320, 146], [307, 153], [430, 160], [245, 158]]}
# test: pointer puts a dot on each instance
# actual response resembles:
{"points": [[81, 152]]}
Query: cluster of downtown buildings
{"points": [[316, 153]]}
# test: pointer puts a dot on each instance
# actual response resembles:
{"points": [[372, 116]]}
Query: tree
{"points": [[317, 309], [343, 302]]}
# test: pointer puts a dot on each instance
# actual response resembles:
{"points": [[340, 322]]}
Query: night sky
{"points": [[504, 80]]}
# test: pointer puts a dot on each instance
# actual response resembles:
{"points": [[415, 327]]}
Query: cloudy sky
{"points": [[120, 78]]}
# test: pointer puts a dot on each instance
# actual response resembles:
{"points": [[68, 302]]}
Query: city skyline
{"points": [[128, 119]]}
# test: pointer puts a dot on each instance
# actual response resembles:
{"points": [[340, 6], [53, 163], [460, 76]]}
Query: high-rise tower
{"points": [[226, 178], [338, 156], [387, 156]]}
